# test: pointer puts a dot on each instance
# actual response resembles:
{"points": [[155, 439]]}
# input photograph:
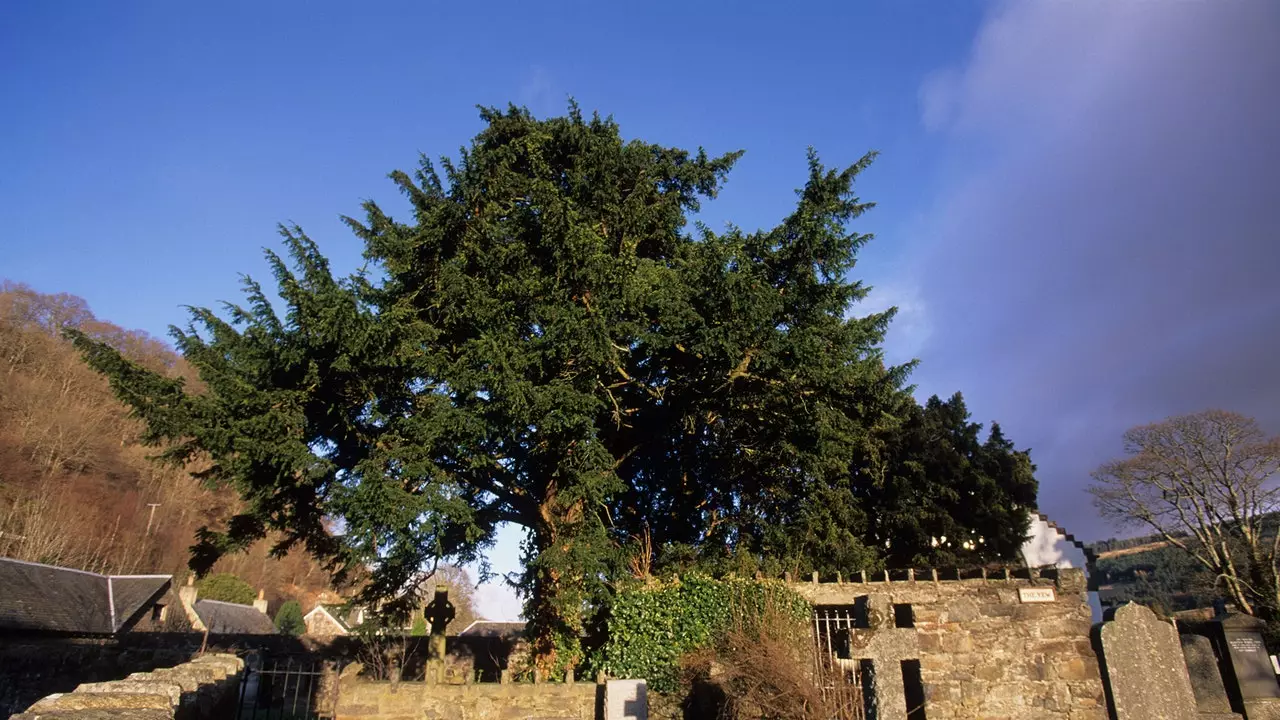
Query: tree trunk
{"points": [[554, 607]]}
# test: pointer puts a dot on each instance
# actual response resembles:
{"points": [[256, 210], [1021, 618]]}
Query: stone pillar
{"points": [[886, 647], [626, 700]]}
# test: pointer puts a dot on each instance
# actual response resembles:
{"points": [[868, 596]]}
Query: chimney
{"points": [[261, 603], [187, 596]]}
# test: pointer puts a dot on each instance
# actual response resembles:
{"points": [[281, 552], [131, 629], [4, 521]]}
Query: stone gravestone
{"points": [[1145, 669], [626, 700], [1206, 681], [1250, 665]]}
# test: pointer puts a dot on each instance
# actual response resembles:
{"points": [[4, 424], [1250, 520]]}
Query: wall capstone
{"points": [[202, 688]]}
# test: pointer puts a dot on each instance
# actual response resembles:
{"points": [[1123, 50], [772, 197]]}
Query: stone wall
{"points": [[987, 647], [203, 689], [35, 665], [360, 699]]}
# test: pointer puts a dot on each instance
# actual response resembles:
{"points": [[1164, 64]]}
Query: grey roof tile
{"points": [[224, 618], [47, 598]]}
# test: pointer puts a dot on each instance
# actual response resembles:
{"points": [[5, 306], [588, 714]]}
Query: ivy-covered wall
{"points": [[651, 626]]}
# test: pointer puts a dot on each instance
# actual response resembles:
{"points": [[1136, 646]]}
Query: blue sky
{"points": [[1074, 196]]}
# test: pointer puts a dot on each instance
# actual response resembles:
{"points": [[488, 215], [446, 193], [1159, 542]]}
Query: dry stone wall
{"points": [[360, 699], [996, 648], [203, 689]]}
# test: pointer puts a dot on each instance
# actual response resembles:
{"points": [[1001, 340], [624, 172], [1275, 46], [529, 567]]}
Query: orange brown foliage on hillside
{"points": [[75, 484]]}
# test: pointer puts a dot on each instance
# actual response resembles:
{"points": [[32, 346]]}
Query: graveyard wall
{"points": [[360, 699], [984, 653], [202, 689]]}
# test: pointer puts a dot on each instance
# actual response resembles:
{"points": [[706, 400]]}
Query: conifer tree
{"points": [[545, 342]]}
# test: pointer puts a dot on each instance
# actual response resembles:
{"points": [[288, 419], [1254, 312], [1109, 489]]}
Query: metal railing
{"points": [[845, 684], [280, 690]]}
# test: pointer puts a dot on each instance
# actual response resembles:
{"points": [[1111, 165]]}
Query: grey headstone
{"points": [[1145, 669], [1206, 681], [1248, 657], [626, 700]]}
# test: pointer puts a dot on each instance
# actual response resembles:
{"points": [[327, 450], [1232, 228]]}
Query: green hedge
{"points": [[650, 627]]}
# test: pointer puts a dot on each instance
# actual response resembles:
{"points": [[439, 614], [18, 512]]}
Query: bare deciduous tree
{"points": [[1205, 483]]}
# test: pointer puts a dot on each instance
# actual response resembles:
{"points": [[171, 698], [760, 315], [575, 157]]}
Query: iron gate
{"points": [[280, 690]]}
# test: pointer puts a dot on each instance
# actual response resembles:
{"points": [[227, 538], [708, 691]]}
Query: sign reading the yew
{"points": [[1036, 595]]}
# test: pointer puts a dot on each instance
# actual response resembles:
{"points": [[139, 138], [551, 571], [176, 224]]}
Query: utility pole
{"points": [[152, 517]]}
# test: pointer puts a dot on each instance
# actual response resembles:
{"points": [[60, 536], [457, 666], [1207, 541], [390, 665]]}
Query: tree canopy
{"points": [[1205, 483], [946, 496], [547, 342], [227, 588], [290, 620]]}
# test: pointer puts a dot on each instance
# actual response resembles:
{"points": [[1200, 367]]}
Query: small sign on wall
{"points": [[1036, 595]]}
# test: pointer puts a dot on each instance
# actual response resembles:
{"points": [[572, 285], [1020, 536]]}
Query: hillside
{"points": [[76, 487]]}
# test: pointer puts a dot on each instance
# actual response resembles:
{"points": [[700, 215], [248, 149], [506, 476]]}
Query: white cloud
{"points": [[910, 330], [538, 92]]}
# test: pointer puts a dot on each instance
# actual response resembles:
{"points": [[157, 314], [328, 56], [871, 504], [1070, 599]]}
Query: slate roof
{"points": [[46, 598], [224, 618], [493, 628]]}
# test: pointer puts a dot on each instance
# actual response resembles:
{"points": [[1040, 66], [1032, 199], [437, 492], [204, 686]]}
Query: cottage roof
{"points": [[225, 618], [337, 613], [493, 628], [48, 598]]}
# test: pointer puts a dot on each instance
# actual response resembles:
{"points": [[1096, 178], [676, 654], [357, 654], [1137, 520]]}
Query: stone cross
{"points": [[438, 614], [886, 647], [1145, 667]]}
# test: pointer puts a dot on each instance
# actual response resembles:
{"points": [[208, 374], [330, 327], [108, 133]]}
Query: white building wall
{"points": [[1048, 546]]}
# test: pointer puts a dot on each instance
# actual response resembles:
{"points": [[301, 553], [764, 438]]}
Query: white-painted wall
{"points": [[1048, 546]]}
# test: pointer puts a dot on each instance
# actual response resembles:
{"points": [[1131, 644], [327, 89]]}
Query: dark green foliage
{"points": [[650, 627], [289, 619], [227, 588], [547, 345], [1165, 578], [946, 496]]}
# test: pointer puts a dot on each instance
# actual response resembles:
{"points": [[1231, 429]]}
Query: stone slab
{"points": [[93, 715], [1251, 664], [1206, 680], [117, 701], [1145, 666], [626, 700]]}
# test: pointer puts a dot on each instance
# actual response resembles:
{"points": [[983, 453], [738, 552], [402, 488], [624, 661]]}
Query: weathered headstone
{"points": [[1249, 658], [1206, 681], [626, 700], [1145, 668]]}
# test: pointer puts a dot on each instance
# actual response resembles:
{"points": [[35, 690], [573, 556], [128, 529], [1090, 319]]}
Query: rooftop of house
{"points": [[47, 598], [225, 618], [340, 614], [493, 628]]}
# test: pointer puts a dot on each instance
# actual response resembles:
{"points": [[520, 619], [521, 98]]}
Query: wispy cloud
{"points": [[910, 331], [1110, 255], [538, 92]]}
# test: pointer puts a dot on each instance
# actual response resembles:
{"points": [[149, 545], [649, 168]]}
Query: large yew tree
{"points": [[546, 342]]}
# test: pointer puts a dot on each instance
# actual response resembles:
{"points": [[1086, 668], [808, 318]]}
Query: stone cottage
{"points": [[225, 618]]}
